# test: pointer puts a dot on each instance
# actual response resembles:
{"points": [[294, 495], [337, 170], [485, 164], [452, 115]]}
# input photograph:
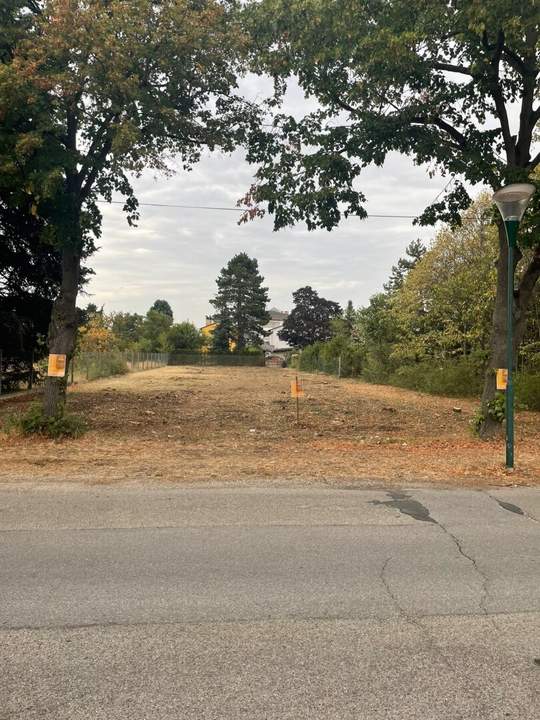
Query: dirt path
{"points": [[186, 424]]}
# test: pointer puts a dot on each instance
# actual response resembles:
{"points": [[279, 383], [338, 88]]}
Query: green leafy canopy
{"points": [[429, 79]]}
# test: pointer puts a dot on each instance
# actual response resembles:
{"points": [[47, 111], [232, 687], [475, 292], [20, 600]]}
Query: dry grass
{"points": [[185, 424]]}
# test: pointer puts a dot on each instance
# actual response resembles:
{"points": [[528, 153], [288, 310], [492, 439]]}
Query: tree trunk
{"points": [[63, 328], [522, 299]]}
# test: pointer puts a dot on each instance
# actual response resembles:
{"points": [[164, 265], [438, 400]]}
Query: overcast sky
{"points": [[176, 254]]}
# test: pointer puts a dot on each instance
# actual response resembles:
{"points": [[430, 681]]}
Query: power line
{"points": [[228, 209]]}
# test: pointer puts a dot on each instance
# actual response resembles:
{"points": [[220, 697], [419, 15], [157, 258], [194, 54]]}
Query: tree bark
{"points": [[63, 328], [522, 300]]}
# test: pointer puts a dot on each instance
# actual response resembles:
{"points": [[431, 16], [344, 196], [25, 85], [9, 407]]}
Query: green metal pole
{"points": [[511, 234]]}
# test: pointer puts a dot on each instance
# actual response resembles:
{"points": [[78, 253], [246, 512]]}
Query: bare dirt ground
{"points": [[187, 425]]}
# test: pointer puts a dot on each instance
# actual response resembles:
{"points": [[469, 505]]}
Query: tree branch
{"points": [[97, 165], [498, 95], [527, 120], [454, 133], [448, 67], [514, 60]]}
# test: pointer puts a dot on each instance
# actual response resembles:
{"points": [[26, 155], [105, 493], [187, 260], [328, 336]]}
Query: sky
{"points": [[176, 254]]}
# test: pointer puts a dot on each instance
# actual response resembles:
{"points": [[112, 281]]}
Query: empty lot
{"points": [[238, 425]]}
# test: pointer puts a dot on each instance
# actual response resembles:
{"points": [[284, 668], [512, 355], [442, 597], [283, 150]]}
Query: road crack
{"points": [[484, 578], [411, 619]]}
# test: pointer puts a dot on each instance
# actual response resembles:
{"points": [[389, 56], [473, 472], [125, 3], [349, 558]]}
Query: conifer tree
{"points": [[241, 300]]}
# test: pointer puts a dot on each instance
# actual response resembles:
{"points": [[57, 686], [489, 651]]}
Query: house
{"points": [[272, 342], [207, 330]]}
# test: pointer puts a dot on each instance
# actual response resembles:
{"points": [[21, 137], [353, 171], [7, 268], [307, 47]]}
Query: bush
{"points": [[100, 365], [34, 422], [458, 378], [324, 357], [528, 390]]}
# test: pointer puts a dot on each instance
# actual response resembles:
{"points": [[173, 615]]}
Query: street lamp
{"points": [[512, 202]]}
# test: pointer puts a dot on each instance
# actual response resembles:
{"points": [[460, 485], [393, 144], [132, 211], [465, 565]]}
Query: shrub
{"points": [[528, 390], [34, 422], [324, 357], [458, 378], [100, 365]]}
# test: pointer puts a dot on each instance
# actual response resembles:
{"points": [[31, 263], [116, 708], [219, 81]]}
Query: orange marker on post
{"points": [[297, 391]]}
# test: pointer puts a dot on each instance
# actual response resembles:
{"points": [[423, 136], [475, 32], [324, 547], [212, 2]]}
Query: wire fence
{"points": [[227, 359], [94, 365], [87, 366], [84, 366]]}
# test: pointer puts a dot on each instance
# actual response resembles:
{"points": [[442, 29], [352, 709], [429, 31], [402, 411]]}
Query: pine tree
{"points": [[349, 317], [414, 252], [241, 300]]}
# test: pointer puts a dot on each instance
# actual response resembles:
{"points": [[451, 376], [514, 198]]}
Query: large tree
{"points": [[163, 307], [240, 302], [310, 319], [454, 85], [29, 279], [107, 89]]}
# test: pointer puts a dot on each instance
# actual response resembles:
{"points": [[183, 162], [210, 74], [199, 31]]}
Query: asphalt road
{"points": [[269, 603]]}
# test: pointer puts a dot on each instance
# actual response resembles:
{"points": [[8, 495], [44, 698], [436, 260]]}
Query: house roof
{"points": [[276, 314]]}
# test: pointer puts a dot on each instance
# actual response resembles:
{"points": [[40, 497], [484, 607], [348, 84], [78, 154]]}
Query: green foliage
{"points": [[154, 331], [444, 305], [127, 329], [376, 332], [414, 252], [325, 357], [434, 81], [527, 388], [94, 365], [222, 337], [163, 307], [91, 94], [34, 422], [240, 304], [459, 378], [182, 336], [310, 320]]}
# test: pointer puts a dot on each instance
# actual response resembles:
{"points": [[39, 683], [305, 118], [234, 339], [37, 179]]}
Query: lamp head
{"points": [[512, 200]]}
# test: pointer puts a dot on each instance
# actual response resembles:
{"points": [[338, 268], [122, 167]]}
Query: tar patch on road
{"points": [[509, 506], [406, 505]]}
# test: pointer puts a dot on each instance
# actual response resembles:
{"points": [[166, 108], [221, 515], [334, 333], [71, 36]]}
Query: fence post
{"points": [[31, 376], [1, 368], [72, 369], [339, 367]]}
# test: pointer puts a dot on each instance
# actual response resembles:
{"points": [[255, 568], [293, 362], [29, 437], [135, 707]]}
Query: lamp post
{"points": [[512, 202]]}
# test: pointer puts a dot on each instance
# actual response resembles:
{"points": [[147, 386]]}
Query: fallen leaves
{"points": [[239, 424]]}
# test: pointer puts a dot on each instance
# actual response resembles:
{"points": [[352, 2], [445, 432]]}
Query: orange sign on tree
{"points": [[57, 366]]}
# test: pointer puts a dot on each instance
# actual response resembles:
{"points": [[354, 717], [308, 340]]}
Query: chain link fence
{"points": [[94, 365], [227, 359], [85, 366]]}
